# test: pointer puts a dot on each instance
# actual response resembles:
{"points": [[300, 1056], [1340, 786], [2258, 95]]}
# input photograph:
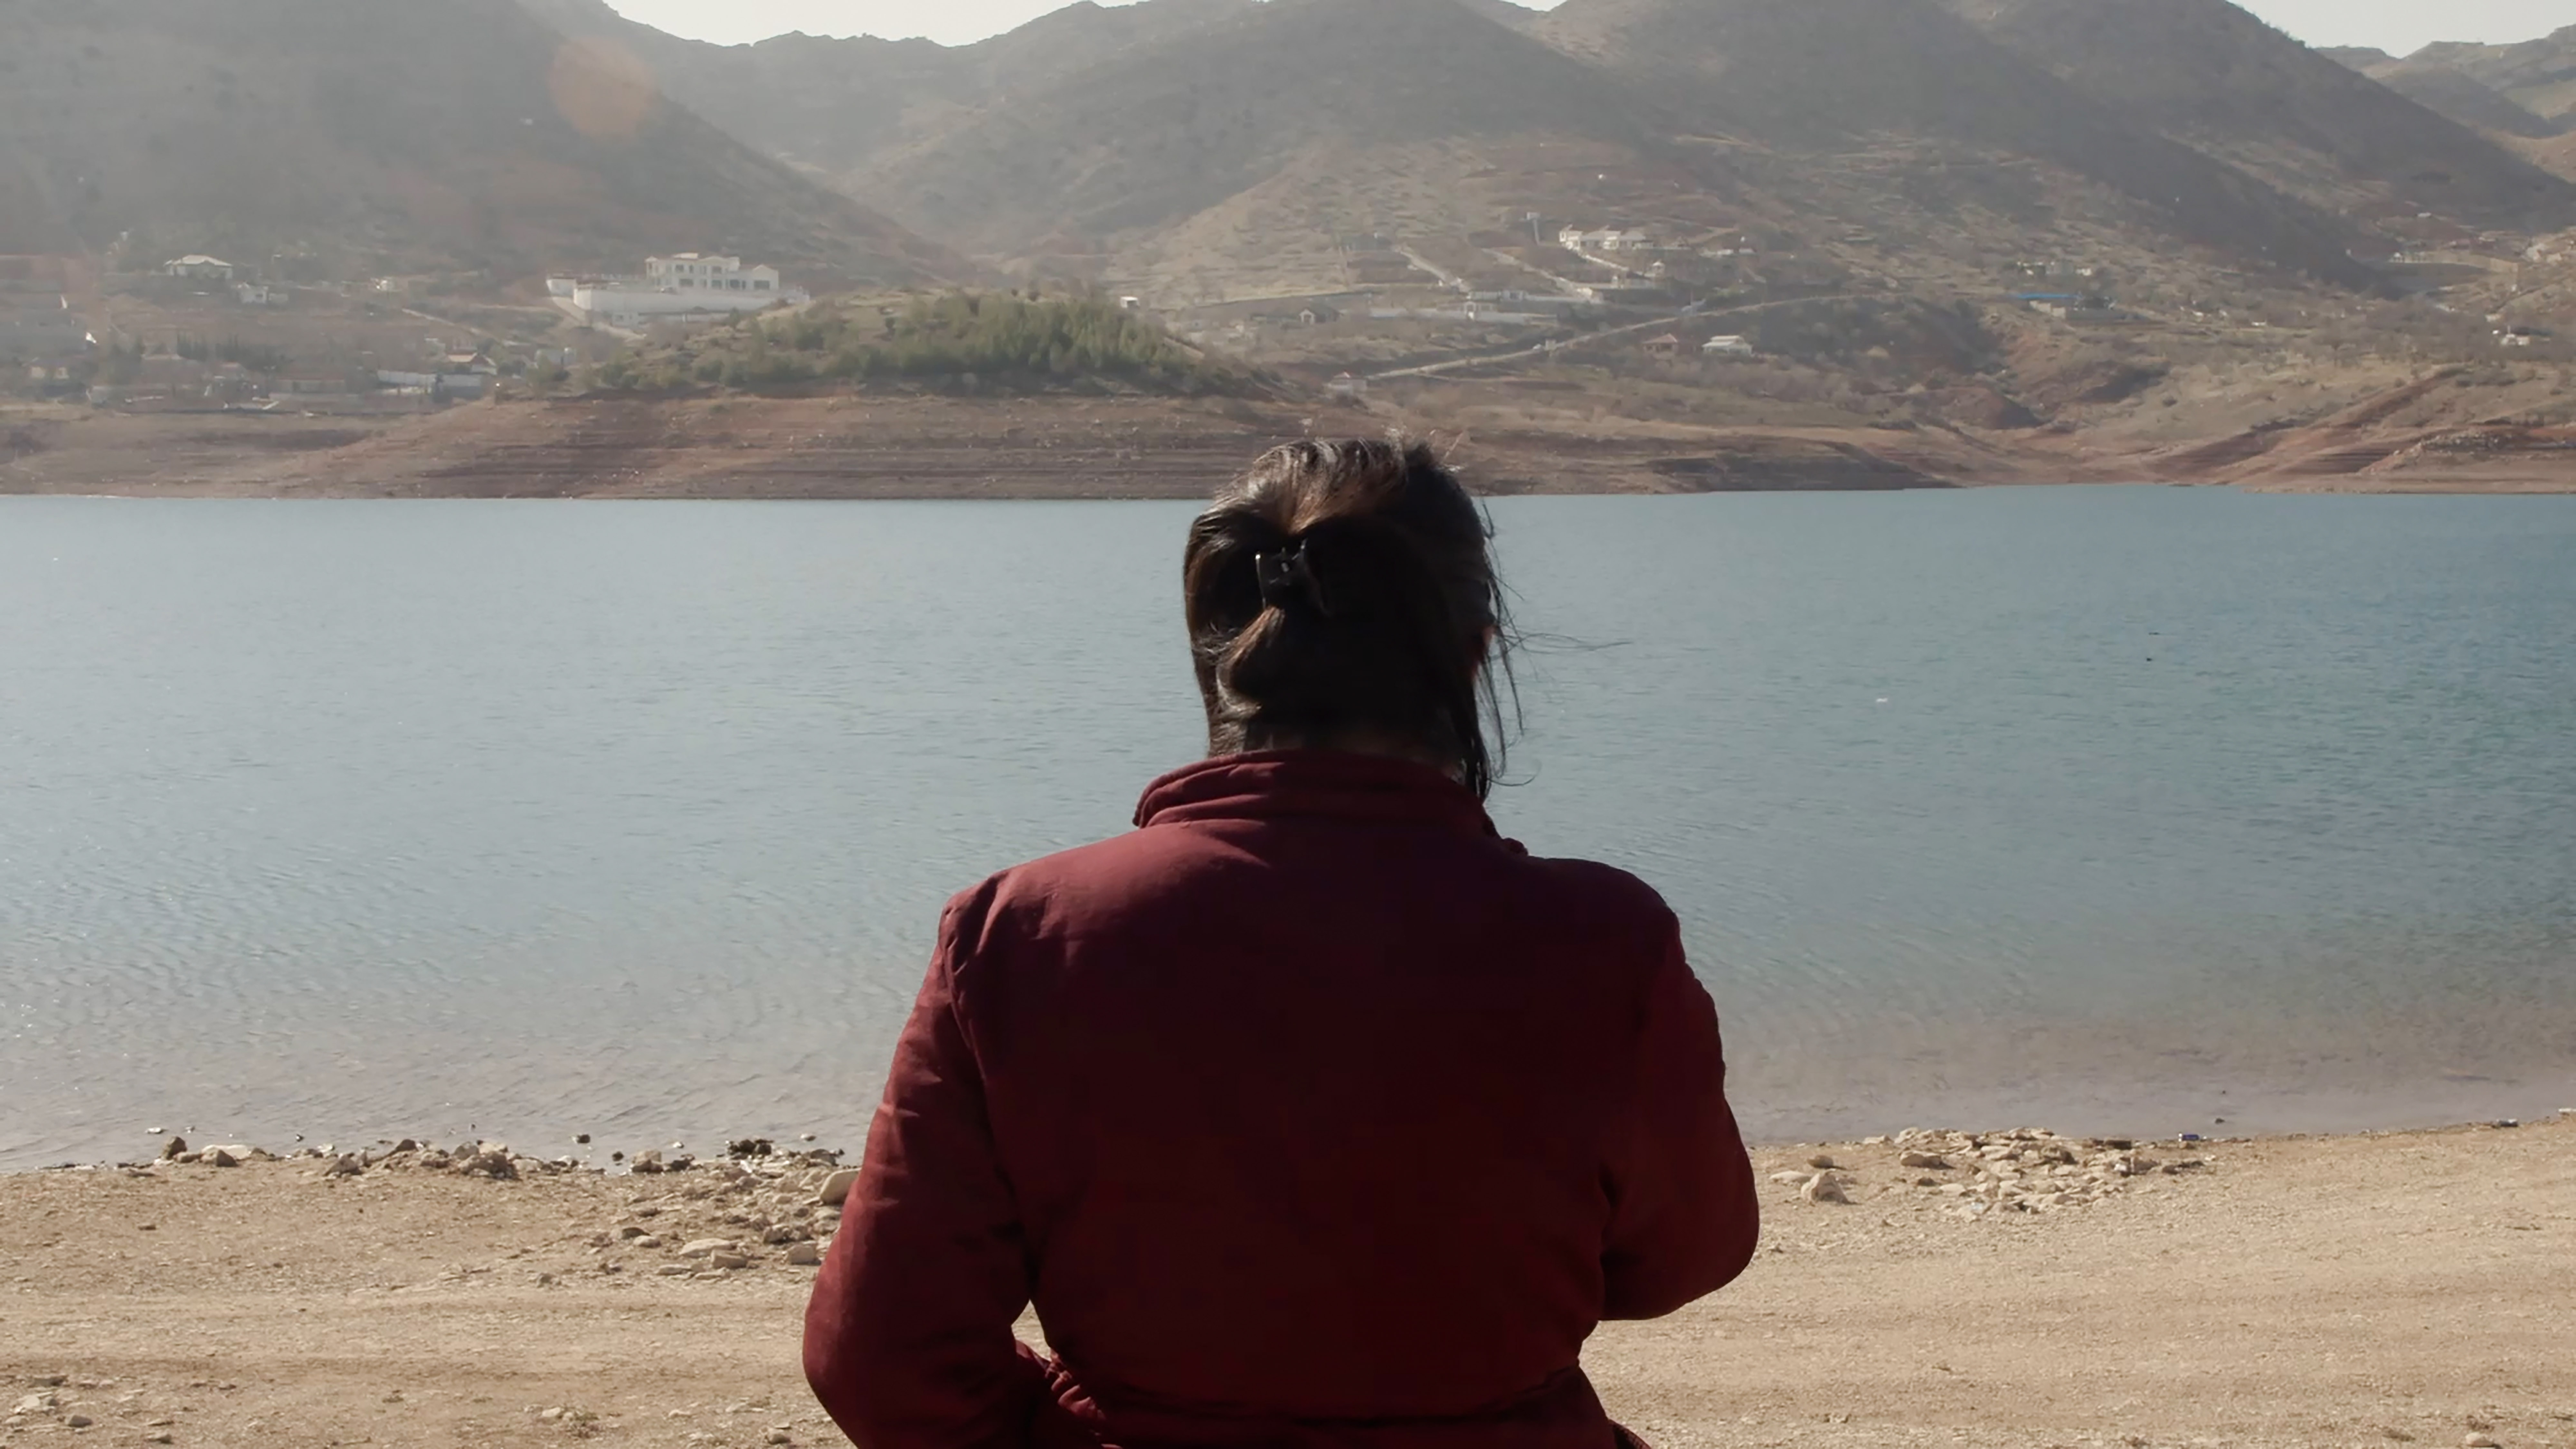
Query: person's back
{"points": [[1312, 1111]]}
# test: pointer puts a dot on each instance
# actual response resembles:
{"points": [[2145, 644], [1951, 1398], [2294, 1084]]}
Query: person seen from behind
{"points": [[1312, 1111]]}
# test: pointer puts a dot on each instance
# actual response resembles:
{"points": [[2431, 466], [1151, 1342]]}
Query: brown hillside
{"points": [[2557, 153], [835, 103], [808, 99], [2207, 73], [2464, 98], [1162, 132], [431, 134], [1837, 73], [2538, 75]]}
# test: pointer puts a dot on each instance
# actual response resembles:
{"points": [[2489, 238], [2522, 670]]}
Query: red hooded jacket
{"points": [[1310, 1113]]}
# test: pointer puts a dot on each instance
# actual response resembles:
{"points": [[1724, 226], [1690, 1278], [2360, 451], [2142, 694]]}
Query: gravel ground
{"points": [[2002, 1290]]}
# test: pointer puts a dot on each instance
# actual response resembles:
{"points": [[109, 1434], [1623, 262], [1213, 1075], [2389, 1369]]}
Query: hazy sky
{"points": [[2392, 25]]}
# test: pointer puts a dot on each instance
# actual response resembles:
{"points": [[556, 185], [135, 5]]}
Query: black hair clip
{"points": [[1289, 577]]}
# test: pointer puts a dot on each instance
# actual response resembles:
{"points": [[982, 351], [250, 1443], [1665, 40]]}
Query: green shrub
{"points": [[999, 339]]}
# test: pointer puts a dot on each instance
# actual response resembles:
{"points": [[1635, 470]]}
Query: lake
{"points": [[2105, 809]]}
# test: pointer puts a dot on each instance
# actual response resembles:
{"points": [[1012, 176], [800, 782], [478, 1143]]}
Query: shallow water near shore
{"points": [[2115, 809]]}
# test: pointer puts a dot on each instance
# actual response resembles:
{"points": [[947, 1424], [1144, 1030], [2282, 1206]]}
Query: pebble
{"points": [[220, 1157], [173, 1148], [2481, 1441], [1824, 1188], [780, 1435], [701, 1247], [347, 1164], [1926, 1161], [1821, 1162], [836, 1188], [79, 1421], [804, 1255], [727, 1260], [673, 1270], [44, 1403]]}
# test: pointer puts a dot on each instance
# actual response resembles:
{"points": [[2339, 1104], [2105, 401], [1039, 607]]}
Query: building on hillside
{"points": [[259, 294], [204, 268], [1316, 315], [434, 385], [688, 288], [1347, 385], [1667, 345], [690, 272], [1726, 347]]}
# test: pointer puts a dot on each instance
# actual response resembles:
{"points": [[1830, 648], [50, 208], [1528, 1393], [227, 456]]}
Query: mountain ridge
{"points": [[458, 134], [2208, 74]]}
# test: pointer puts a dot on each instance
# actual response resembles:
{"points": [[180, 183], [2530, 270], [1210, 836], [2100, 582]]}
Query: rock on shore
{"points": [[2026, 1170]]}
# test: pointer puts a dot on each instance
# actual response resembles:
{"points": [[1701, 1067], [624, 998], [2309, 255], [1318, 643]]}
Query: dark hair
{"points": [[1347, 589]]}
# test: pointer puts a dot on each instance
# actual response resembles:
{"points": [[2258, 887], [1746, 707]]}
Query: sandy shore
{"points": [[2002, 1290]]}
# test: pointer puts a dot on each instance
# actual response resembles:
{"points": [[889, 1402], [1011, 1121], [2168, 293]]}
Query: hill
{"points": [[1850, 74], [2538, 75], [429, 135], [2464, 98], [833, 104], [2206, 73], [1163, 131]]}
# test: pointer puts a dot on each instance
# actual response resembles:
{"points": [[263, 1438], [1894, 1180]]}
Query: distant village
{"points": [[198, 331], [202, 332]]}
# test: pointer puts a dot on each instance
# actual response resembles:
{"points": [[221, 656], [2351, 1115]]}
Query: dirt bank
{"points": [[2415, 1288], [737, 446], [910, 447]]}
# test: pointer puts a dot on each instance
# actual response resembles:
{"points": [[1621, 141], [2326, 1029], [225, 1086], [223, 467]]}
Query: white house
{"points": [[684, 288], [195, 265], [690, 272], [1726, 347], [259, 294]]}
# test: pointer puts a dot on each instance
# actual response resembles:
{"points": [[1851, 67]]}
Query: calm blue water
{"points": [[2108, 809]]}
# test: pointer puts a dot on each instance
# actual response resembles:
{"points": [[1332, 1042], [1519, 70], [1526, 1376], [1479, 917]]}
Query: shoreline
{"points": [[2162, 1115], [487, 1157], [861, 446], [2404, 1287]]}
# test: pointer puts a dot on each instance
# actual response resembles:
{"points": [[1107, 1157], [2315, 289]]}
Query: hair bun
{"points": [[1346, 589]]}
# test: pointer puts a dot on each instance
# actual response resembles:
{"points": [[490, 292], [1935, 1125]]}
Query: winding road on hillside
{"points": [[1555, 346]]}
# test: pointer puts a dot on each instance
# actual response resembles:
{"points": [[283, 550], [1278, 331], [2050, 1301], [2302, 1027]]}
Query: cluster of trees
{"points": [[999, 338]]}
